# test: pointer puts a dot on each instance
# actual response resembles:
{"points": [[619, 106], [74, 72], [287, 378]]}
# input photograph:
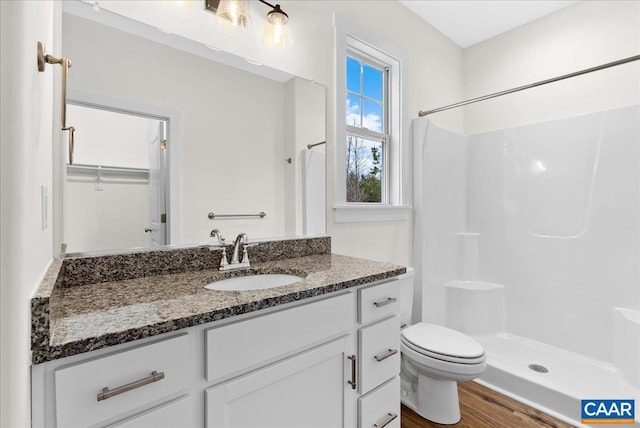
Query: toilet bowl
{"points": [[434, 359]]}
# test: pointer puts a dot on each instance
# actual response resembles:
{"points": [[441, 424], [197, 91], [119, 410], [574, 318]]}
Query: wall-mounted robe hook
{"points": [[43, 60]]}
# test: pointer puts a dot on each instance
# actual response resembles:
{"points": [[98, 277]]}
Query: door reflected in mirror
{"points": [[115, 190], [236, 141]]}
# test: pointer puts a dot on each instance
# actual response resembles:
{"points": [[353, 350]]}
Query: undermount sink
{"points": [[253, 282]]}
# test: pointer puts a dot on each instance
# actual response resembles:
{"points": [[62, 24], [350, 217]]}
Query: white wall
{"points": [[586, 34], [111, 219], [110, 138], [25, 155], [433, 78], [222, 152]]}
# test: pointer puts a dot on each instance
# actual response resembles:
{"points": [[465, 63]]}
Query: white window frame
{"points": [[352, 40]]}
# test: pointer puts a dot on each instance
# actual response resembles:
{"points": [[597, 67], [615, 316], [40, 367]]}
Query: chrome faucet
{"points": [[236, 262], [216, 233], [241, 239]]}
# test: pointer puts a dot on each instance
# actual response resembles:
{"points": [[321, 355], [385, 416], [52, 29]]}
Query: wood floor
{"points": [[482, 407]]}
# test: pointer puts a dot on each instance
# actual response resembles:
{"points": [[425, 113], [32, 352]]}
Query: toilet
{"points": [[434, 359]]}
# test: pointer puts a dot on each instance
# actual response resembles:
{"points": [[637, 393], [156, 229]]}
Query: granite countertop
{"points": [[69, 320]]}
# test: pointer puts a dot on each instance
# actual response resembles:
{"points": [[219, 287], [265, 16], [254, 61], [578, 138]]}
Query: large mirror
{"points": [[174, 140]]}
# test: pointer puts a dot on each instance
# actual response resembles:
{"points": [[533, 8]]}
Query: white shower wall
{"points": [[439, 202], [556, 205]]}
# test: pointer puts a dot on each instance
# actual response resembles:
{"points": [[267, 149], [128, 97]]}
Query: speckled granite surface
{"points": [[69, 320], [118, 267]]}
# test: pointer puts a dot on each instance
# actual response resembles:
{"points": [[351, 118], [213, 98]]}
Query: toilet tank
{"points": [[405, 282]]}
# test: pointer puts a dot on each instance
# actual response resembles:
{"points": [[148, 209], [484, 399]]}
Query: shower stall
{"points": [[527, 238]]}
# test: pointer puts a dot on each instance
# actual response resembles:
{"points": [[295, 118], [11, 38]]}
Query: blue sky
{"points": [[364, 102]]}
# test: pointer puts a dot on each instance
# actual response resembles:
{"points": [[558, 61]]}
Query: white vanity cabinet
{"points": [[304, 389], [287, 366]]}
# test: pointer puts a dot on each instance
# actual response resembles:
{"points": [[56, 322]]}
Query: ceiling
{"points": [[467, 22]]}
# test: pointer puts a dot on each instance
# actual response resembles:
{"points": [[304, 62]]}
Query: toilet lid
{"points": [[442, 340]]}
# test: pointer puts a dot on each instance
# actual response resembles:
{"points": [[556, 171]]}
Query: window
{"points": [[369, 145], [367, 106]]}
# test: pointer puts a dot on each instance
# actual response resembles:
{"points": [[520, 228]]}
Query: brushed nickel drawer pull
{"points": [[108, 393], [391, 417], [385, 302], [386, 355], [353, 381]]}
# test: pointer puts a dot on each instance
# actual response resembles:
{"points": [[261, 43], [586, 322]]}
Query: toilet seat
{"points": [[442, 344], [441, 369]]}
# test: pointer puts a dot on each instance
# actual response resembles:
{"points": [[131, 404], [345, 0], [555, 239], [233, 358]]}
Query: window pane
{"points": [[372, 115], [353, 110], [372, 82], [364, 170], [353, 75]]}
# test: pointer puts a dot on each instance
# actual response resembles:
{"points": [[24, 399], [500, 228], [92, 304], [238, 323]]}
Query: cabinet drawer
{"points": [[378, 301], [275, 335], [77, 387], [176, 413], [379, 353], [381, 406]]}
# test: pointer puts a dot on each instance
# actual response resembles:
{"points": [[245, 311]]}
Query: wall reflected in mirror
{"points": [[234, 133]]}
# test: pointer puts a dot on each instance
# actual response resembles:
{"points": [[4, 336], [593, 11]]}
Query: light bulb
{"points": [[276, 34], [233, 12]]}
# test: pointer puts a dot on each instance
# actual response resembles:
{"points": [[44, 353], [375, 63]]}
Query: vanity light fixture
{"points": [[275, 34], [234, 12]]}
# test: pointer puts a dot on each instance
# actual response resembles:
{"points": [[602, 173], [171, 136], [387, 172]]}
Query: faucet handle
{"points": [[223, 260], [245, 254]]}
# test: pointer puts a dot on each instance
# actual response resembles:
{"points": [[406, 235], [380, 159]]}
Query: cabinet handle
{"points": [[353, 381], [107, 393], [385, 302], [386, 355], [390, 417]]}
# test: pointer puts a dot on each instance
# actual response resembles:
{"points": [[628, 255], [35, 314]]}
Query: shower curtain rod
{"points": [[532, 85]]}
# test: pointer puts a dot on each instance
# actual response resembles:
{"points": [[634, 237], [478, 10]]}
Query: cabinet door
{"points": [[306, 390]]}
